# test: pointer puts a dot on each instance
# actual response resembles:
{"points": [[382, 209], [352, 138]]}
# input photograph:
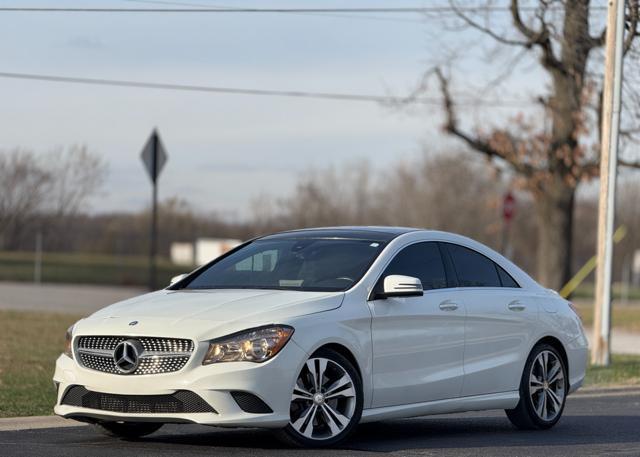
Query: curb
{"points": [[36, 422], [607, 389]]}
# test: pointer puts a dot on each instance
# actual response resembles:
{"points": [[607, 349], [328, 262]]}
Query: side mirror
{"points": [[178, 278], [402, 286]]}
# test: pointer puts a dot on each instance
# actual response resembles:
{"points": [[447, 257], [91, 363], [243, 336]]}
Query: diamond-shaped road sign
{"points": [[154, 156]]}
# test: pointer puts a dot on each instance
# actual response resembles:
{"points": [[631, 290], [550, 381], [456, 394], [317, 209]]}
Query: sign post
{"points": [[154, 158], [508, 210]]}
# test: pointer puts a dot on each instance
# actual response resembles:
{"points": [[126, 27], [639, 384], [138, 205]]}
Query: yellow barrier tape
{"points": [[588, 267]]}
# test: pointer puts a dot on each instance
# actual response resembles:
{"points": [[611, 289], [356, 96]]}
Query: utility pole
{"points": [[601, 351]]}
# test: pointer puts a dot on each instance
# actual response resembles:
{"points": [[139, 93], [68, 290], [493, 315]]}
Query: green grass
{"points": [[624, 317], [586, 291], [624, 370], [30, 342], [77, 268]]}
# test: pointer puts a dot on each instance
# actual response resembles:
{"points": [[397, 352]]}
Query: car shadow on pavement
{"points": [[484, 432], [434, 433]]}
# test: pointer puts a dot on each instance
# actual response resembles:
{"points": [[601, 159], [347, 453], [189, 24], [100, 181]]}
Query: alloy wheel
{"points": [[547, 385], [323, 401]]}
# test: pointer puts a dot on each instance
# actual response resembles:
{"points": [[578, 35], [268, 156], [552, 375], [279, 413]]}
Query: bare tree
{"points": [[76, 175], [23, 187], [451, 192], [45, 189], [551, 157]]}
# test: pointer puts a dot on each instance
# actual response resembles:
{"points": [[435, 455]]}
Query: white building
{"points": [[202, 251]]}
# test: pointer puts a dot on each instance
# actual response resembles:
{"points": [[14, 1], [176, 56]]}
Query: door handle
{"points": [[516, 306], [448, 306]]}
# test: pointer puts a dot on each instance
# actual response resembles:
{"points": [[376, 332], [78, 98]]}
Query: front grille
{"points": [[182, 401], [159, 355], [149, 343]]}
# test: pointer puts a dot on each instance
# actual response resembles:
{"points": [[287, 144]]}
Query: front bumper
{"points": [[271, 381]]}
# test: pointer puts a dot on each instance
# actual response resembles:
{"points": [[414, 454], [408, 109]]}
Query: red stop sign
{"points": [[508, 207]]}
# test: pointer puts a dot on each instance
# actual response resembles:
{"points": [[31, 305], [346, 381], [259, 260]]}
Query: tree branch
{"points": [[632, 32], [628, 164], [592, 169], [487, 30], [631, 25], [478, 144], [599, 41], [541, 37]]}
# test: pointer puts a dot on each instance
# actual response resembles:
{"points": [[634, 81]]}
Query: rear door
{"points": [[418, 342], [501, 321]]}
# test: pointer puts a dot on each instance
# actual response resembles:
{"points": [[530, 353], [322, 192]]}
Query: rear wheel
{"points": [[543, 390], [127, 430], [326, 403]]}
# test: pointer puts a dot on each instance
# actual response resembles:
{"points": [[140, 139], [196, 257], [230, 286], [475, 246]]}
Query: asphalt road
{"points": [[602, 424], [61, 298]]}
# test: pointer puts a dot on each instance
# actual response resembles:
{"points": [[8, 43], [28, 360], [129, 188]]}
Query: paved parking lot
{"points": [[62, 298]]}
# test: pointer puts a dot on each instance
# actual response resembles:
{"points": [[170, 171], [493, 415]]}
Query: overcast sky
{"points": [[226, 149]]}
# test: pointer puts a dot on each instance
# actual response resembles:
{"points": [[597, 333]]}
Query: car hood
{"points": [[204, 314]]}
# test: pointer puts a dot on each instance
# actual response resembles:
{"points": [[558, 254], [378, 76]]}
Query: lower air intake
{"points": [[249, 403], [182, 401]]}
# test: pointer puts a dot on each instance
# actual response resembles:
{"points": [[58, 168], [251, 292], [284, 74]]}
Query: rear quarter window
{"points": [[505, 278], [472, 268]]}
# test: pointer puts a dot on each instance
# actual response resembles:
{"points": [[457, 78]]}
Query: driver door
{"points": [[418, 342]]}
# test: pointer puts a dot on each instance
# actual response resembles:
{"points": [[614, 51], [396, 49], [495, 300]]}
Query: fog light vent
{"points": [[249, 403]]}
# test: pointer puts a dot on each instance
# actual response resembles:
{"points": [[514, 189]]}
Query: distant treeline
{"points": [[452, 192]]}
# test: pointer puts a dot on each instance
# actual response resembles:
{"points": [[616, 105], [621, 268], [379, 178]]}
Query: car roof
{"points": [[373, 233]]}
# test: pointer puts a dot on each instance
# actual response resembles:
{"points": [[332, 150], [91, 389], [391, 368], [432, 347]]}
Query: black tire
{"points": [[529, 416], [291, 437], [127, 430]]}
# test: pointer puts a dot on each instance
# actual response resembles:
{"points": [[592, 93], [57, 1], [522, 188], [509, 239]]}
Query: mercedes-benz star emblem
{"points": [[126, 356]]}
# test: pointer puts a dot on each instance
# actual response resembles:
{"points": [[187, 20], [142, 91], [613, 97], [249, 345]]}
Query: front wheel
{"points": [[127, 430], [326, 403], [543, 390]]}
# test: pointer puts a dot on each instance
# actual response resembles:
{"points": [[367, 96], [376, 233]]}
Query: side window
{"points": [[420, 260], [505, 278], [472, 268]]}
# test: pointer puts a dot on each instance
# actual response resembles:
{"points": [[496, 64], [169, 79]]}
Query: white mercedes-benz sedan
{"points": [[313, 331]]}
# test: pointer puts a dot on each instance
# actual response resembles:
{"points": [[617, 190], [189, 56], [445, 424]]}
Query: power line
{"points": [[255, 92], [387, 10], [337, 15]]}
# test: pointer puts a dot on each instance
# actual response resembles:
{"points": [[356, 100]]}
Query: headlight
{"points": [[255, 345], [67, 343]]}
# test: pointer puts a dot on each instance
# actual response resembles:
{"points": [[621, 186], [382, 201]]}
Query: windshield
{"points": [[309, 264]]}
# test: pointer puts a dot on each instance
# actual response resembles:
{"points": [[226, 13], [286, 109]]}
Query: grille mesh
{"points": [[99, 363], [160, 355], [249, 403], [148, 343], [182, 401]]}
